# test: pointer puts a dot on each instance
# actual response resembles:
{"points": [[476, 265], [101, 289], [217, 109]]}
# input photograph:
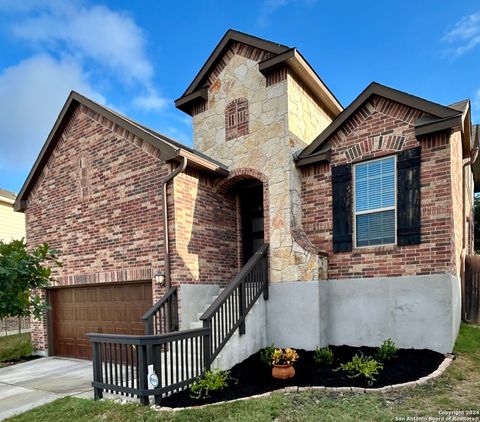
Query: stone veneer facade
{"points": [[283, 118]]}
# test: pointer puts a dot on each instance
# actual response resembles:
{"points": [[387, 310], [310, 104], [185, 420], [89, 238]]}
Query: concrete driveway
{"points": [[31, 384]]}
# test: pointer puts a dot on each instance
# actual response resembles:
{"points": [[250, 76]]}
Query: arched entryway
{"points": [[250, 195], [251, 189]]}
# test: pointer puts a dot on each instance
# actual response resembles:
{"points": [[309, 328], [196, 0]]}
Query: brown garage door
{"points": [[108, 308]]}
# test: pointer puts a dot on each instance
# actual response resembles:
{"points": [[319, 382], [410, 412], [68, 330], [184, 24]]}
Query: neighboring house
{"points": [[12, 226], [367, 210]]}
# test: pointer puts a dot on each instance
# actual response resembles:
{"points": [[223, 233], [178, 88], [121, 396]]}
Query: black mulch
{"points": [[254, 377]]}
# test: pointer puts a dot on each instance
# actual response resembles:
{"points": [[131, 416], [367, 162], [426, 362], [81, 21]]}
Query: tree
{"points": [[22, 275]]}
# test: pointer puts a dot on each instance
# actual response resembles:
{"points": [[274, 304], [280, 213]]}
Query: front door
{"points": [[251, 201]]}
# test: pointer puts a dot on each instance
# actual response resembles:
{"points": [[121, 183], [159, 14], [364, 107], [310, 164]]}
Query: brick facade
{"points": [[99, 202], [203, 231], [381, 128]]}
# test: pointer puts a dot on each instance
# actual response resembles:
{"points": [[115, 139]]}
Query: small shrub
{"points": [[284, 356], [387, 350], [16, 347], [267, 354], [361, 365], [213, 380], [323, 356]]}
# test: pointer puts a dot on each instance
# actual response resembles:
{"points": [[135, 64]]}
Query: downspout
{"points": [[166, 246], [473, 158]]}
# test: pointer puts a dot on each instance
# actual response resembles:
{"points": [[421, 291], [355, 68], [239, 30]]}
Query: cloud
{"points": [[269, 7], [98, 37], [465, 34], [31, 96], [150, 102]]}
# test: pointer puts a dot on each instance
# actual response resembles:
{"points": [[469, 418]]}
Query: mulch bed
{"points": [[254, 377]]}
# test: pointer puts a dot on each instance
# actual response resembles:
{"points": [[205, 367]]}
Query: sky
{"points": [[137, 57]]}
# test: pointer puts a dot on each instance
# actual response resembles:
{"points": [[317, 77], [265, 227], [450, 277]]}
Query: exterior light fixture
{"points": [[160, 277]]}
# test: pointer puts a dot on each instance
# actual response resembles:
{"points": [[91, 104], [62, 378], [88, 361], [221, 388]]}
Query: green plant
{"points": [[361, 365], [213, 380], [23, 273], [266, 355], [323, 356], [16, 347], [284, 356], [387, 350]]}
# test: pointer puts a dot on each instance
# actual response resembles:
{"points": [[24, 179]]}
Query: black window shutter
{"points": [[342, 208], [408, 197]]}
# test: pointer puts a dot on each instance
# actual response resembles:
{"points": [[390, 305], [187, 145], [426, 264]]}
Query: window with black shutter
{"points": [[408, 193], [342, 208], [384, 207]]}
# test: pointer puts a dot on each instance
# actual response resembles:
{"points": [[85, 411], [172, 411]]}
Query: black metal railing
{"points": [[228, 311], [163, 316], [120, 362]]}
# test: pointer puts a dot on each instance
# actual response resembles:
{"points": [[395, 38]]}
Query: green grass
{"points": [[15, 347], [457, 389]]}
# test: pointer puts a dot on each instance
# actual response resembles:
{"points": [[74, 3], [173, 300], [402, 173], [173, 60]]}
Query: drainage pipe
{"points": [[166, 246]]}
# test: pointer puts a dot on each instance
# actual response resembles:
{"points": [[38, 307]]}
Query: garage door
{"points": [[109, 309]]}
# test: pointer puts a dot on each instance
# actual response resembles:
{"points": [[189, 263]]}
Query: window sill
{"points": [[375, 249]]}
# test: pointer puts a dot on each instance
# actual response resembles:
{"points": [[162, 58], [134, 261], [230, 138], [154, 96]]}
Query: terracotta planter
{"points": [[283, 371]]}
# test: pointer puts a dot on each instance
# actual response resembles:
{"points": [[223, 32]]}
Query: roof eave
{"points": [[375, 88], [302, 69], [231, 35], [439, 125], [314, 159], [167, 150], [186, 102]]}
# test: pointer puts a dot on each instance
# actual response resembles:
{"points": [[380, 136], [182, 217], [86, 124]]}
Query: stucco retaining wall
{"points": [[415, 312]]}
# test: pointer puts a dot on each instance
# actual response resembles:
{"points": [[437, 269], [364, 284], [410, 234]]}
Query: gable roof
{"points": [[230, 36], [441, 117], [169, 148], [281, 56], [7, 196]]}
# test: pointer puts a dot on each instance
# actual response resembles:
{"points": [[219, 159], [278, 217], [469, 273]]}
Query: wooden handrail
{"points": [[160, 303]]}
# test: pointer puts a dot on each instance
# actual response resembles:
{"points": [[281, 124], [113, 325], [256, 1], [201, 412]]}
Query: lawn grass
{"points": [[457, 390], [15, 347]]}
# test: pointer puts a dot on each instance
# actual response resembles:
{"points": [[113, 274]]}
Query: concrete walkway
{"points": [[27, 385]]}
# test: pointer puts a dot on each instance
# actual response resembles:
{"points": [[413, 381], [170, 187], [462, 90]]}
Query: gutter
{"points": [[166, 246]]}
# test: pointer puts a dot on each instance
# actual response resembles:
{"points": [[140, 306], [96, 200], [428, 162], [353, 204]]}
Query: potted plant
{"points": [[282, 361]]}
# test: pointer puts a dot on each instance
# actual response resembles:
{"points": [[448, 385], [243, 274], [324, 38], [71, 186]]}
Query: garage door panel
{"points": [[115, 309]]}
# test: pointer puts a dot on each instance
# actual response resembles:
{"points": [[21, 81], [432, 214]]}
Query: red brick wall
{"points": [[382, 128], [203, 232], [99, 202]]}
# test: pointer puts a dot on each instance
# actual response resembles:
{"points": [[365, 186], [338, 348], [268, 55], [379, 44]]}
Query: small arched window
{"points": [[236, 118]]}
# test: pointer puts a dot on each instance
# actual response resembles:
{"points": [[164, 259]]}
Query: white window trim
{"points": [[355, 213]]}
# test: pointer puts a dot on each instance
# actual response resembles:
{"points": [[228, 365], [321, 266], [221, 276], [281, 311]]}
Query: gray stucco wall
{"points": [[193, 299], [415, 311], [240, 347]]}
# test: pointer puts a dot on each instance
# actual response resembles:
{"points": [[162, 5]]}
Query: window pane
{"points": [[375, 185], [376, 228]]}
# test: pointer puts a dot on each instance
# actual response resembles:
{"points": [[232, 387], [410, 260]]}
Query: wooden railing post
{"points": [[142, 373], [265, 277], [243, 295], [97, 370], [207, 348]]}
